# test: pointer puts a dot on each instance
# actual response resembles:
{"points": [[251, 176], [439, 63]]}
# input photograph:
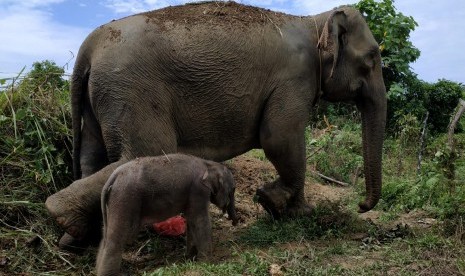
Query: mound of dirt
{"points": [[251, 173]]}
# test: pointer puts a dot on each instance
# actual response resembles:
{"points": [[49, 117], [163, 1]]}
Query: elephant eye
{"points": [[369, 59], [368, 62]]}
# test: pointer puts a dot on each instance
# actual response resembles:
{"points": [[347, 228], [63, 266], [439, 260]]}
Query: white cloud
{"points": [[136, 6], [439, 37], [29, 3], [29, 34]]}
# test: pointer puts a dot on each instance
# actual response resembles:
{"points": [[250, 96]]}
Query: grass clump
{"points": [[328, 219]]}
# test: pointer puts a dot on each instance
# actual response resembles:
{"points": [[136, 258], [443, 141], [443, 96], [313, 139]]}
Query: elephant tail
{"points": [[79, 84], [106, 190]]}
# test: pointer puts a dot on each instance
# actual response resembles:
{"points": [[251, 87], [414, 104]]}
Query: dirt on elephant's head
{"points": [[217, 13]]}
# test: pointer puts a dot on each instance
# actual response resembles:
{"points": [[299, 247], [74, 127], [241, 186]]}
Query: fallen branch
{"points": [[327, 178]]}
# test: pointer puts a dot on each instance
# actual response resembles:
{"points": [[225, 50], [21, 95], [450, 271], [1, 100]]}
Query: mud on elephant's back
{"points": [[228, 14]]}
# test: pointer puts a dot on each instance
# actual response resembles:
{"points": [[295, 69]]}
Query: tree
{"points": [[45, 75]]}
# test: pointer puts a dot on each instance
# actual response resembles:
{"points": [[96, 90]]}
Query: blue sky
{"points": [[36, 30]]}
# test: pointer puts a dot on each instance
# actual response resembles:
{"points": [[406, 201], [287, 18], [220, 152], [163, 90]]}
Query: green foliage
{"points": [[35, 135], [403, 102], [45, 76], [391, 30], [337, 153], [416, 98], [439, 188], [443, 97]]}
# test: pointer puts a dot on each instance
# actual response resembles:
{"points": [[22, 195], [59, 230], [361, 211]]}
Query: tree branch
{"points": [[327, 178]]}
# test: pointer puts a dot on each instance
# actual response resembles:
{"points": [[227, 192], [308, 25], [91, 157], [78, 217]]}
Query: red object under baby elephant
{"points": [[174, 226]]}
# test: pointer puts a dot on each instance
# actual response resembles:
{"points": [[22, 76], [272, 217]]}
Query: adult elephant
{"points": [[216, 80]]}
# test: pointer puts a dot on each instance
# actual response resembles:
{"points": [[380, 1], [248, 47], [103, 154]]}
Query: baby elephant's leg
{"points": [[118, 231], [199, 233]]}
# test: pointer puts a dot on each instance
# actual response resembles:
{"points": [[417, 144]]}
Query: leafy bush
{"points": [[35, 135], [417, 97], [443, 98], [404, 100], [439, 186]]}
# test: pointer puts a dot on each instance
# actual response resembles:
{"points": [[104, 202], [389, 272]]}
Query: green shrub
{"points": [[416, 98], [35, 138], [404, 101], [443, 98]]}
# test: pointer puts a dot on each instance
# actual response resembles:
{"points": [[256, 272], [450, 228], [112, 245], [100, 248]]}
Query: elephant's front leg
{"points": [[77, 208], [283, 140], [199, 231]]}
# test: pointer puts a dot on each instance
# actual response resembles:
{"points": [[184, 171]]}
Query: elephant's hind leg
{"points": [[117, 234], [123, 219]]}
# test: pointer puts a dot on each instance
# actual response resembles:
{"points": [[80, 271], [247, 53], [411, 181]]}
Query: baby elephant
{"points": [[152, 189]]}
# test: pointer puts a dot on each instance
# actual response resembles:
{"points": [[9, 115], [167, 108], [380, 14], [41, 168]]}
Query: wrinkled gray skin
{"points": [[217, 87], [152, 189]]}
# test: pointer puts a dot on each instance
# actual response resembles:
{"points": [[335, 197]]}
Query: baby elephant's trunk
{"points": [[232, 209]]}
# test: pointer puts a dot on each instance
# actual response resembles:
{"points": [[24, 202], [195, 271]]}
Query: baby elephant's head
{"points": [[221, 183]]}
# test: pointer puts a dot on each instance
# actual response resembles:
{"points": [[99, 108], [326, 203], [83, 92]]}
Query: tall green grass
{"points": [[35, 135]]}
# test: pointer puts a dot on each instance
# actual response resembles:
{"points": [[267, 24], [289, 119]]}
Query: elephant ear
{"points": [[333, 30], [213, 178]]}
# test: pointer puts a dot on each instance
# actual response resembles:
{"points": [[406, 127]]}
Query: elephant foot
{"points": [[274, 199], [298, 209], [279, 202]]}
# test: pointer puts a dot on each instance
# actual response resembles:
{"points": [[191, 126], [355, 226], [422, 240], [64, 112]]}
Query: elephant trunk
{"points": [[232, 209], [373, 110]]}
